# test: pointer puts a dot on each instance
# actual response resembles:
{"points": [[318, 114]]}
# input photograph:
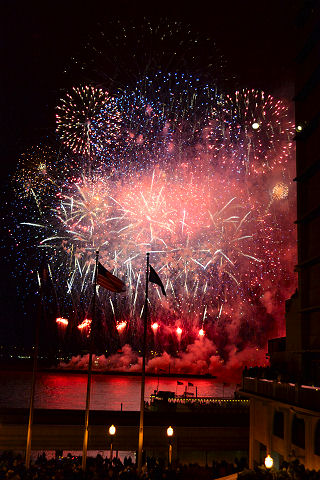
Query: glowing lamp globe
{"points": [[268, 461], [155, 326], [201, 332], [179, 331], [169, 431], [255, 125], [112, 430], [299, 128]]}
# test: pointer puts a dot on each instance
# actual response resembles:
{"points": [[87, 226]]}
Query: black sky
{"points": [[38, 39]]}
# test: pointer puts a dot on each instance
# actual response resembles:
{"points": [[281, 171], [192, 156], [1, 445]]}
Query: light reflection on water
{"points": [[108, 392]]}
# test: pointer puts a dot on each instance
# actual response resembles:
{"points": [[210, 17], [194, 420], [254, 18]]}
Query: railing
{"points": [[219, 402], [301, 395], [199, 403]]}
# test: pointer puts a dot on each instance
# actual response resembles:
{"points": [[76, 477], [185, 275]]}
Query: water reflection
{"points": [[68, 390]]}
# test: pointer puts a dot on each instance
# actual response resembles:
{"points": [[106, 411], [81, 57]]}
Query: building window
{"points": [[298, 432], [317, 439], [278, 424]]}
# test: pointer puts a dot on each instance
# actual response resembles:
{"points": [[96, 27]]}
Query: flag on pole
{"points": [[43, 274], [154, 278], [190, 384], [106, 280], [179, 383]]}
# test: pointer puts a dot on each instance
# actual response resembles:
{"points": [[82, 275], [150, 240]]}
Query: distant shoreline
{"points": [[128, 373], [79, 371]]}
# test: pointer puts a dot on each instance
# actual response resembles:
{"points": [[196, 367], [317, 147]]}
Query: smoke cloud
{"points": [[201, 357]]}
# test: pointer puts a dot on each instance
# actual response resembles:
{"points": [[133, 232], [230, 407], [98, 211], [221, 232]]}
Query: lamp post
{"points": [[112, 432], [268, 461], [169, 435]]}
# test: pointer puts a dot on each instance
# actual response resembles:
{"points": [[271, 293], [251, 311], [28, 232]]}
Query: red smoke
{"points": [[200, 357]]}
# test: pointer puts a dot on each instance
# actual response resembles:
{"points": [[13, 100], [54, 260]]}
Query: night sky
{"points": [[257, 39]]}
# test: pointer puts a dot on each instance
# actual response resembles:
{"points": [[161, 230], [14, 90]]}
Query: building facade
{"points": [[285, 404]]}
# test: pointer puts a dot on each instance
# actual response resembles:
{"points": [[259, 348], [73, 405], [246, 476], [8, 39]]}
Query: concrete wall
{"points": [[201, 443], [261, 432], [196, 439]]}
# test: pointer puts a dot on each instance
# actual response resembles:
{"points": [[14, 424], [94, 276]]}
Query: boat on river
{"points": [[168, 400]]}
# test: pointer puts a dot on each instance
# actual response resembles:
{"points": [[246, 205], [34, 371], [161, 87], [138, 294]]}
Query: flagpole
{"points": [[86, 418], [34, 374], [143, 374]]}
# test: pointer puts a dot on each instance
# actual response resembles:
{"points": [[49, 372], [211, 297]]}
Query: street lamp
{"points": [[169, 435], [112, 432], [268, 461]]}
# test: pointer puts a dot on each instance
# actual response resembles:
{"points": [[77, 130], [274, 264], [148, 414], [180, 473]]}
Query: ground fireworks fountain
{"points": [[199, 179]]}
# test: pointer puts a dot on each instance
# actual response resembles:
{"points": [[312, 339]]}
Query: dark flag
{"points": [[179, 383], [190, 384], [106, 280], [154, 278]]}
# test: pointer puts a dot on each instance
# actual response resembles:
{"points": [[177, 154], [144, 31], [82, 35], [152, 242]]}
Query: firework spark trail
{"points": [[210, 204]]}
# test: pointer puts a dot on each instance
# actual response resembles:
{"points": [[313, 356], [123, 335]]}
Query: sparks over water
{"points": [[199, 179]]}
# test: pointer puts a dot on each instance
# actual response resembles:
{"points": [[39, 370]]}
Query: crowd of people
{"points": [[12, 467], [288, 471]]}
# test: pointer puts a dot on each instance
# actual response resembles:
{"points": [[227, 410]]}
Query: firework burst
{"points": [[33, 175], [87, 118], [187, 175], [262, 130]]}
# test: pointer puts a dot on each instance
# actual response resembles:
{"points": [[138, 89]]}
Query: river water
{"points": [[67, 390]]}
